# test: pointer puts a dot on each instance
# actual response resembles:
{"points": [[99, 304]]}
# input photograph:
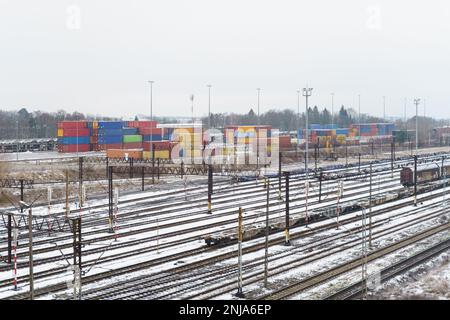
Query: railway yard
{"points": [[354, 230]]}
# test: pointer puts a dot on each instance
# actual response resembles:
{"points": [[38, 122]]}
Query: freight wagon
{"points": [[425, 173], [254, 230]]}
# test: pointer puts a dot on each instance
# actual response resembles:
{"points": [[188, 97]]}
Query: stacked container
{"points": [[73, 136], [162, 149], [109, 135], [132, 141]]}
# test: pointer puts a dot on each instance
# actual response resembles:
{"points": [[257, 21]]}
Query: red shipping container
{"points": [[142, 124], [81, 132], [72, 124], [72, 148], [159, 145], [150, 131], [101, 147], [132, 145], [285, 141]]}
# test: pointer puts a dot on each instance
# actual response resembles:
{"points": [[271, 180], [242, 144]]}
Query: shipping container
{"points": [[72, 148], [130, 131], [150, 131], [141, 124], [110, 132], [110, 139], [110, 124], [74, 140], [152, 138], [124, 153], [72, 124], [81, 132], [132, 145], [132, 138], [158, 145]]}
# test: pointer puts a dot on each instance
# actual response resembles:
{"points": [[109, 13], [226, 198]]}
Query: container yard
{"points": [[228, 160]]}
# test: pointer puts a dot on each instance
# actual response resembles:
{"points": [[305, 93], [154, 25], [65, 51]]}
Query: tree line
{"points": [[23, 124]]}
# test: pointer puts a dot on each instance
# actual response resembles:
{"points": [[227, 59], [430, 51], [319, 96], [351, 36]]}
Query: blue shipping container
{"points": [[342, 131], [110, 125], [130, 131], [110, 132], [74, 140], [110, 139], [155, 137]]}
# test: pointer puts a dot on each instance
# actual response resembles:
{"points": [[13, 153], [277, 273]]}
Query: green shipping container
{"points": [[132, 138]]}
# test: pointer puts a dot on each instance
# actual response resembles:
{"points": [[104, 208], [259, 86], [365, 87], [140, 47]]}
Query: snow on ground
{"points": [[430, 280]]}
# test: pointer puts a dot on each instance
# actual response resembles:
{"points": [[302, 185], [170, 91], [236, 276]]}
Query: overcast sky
{"points": [[96, 56]]}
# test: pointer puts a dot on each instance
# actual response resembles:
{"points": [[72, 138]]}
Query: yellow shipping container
{"points": [[60, 132], [162, 154], [146, 155]]}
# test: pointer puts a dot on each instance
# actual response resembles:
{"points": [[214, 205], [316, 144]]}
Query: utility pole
{"points": [[307, 92], [110, 197], [210, 188], [306, 205], [279, 175], [287, 241], [339, 196], [370, 206], [266, 246], [80, 181], [298, 121], [239, 292], [359, 120], [364, 254], [416, 102], [30, 251], [415, 180], [67, 194], [76, 231], [320, 185]]}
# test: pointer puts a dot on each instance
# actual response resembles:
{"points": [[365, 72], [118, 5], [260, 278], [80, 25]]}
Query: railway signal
{"points": [[239, 292]]}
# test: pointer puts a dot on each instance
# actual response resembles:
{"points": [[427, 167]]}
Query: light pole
{"points": [[307, 93], [259, 92], [359, 120], [404, 115], [416, 102], [298, 121], [192, 109], [384, 108], [18, 145], [209, 106], [332, 109], [151, 115]]}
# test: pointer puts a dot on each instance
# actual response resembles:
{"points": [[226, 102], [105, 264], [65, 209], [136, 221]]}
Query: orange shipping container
{"points": [[124, 153]]}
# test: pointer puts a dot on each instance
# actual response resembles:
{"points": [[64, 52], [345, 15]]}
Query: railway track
{"points": [[250, 192], [170, 285], [356, 290], [322, 277]]}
